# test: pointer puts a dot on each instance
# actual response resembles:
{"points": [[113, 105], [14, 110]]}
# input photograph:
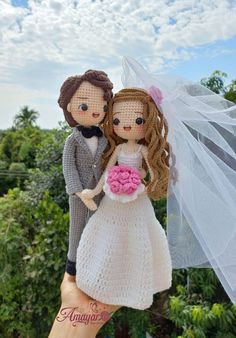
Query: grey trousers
{"points": [[79, 215]]}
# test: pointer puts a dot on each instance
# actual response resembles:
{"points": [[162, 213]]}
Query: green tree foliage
{"points": [[48, 175], [215, 82], [4, 184], [26, 118], [231, 92], [17, 173], [33, 244], [16, 233], [199, 307], [18, 147], [203, 320]]}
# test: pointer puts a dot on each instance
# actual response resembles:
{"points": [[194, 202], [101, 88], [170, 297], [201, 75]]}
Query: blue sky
{"points": [[20, 3], [45, 41], [218, 56]]}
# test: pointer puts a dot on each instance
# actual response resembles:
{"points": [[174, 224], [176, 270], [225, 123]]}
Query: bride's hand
{"points": [[143, 173]]}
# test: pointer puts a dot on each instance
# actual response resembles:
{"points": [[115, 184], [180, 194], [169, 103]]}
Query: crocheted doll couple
{"points": [[121, 251], [118, 157]]}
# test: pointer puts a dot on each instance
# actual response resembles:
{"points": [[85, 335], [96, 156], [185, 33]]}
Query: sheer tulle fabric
{"points": [[201, 206]]}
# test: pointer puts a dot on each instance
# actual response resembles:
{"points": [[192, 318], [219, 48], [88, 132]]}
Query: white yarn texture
{"points": [[131, 160], [123, 256]]}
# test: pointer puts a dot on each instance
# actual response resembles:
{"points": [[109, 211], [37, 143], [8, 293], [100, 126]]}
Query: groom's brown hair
{"points": [[95, 77]]}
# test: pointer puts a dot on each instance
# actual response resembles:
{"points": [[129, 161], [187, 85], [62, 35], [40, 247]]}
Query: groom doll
{"points": [[84, 100]]}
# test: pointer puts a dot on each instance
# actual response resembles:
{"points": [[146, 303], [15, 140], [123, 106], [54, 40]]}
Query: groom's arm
{"points": [[70, 172]]}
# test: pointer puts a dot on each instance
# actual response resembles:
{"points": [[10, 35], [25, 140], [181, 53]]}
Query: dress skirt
{"points": [[123, 256]]}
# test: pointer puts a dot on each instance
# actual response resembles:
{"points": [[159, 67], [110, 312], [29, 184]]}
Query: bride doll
{"points": [[123, 256]]}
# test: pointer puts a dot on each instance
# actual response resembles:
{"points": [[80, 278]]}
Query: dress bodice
{"points": [[132, 160]]}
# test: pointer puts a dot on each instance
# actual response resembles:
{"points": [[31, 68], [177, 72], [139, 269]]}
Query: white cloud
{"points": [[14, 95], [77, 35], [70, 31]]}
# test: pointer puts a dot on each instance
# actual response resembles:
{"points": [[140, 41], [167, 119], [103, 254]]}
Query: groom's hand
{"points": [[88, 193], [89, 202]]}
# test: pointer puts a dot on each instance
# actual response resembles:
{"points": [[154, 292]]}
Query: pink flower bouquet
{"points": [[123, 183], [123, 179]]}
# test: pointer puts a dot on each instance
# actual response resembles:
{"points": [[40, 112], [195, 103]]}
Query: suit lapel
{"points": [[102, 143], [80, 139]]}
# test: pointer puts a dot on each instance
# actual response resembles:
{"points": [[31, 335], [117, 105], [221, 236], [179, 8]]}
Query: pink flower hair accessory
{"points": [[156, 94]]}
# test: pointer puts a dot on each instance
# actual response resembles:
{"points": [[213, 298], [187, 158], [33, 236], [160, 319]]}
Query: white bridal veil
{"points": [[201, 206]]}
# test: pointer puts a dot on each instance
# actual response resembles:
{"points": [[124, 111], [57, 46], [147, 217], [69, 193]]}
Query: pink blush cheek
{"points": [[78, 113], [139, 130], [117, 129]]}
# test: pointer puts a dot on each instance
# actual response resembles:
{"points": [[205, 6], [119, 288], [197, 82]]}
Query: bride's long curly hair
{"points": [[156, 130]]}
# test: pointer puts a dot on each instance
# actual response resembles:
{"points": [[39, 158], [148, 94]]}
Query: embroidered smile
{"points": [[96, 115], [127, 128]]}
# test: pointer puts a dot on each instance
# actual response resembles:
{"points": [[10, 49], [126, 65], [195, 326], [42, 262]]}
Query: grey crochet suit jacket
{"points": [[81, 171], [80, 168]]}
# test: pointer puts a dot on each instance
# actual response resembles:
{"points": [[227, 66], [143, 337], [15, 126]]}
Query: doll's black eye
{"points": [[140, 120], [105, 108], [116, 121], [83, 106]]}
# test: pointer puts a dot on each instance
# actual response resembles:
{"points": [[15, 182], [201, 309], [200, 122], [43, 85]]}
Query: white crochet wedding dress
{"points": [[123, 256]]}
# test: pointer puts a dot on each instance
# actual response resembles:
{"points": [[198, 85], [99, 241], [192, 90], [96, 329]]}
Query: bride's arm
{"points": [[90, 193]]}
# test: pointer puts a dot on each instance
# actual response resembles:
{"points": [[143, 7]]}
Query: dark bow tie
{"points": [[90, 131]]}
